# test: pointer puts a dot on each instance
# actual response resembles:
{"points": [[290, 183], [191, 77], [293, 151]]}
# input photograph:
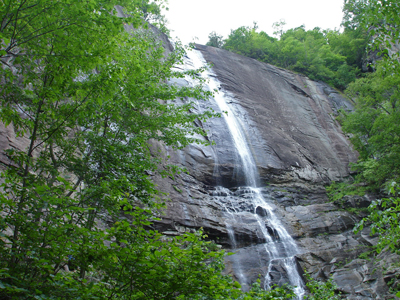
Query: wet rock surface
{"points": [[289, 119], [298, 147], [322, 231]]}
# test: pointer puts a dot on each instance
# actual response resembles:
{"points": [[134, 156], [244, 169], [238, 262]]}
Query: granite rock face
{"points": [[298, 146], [289, 119]]}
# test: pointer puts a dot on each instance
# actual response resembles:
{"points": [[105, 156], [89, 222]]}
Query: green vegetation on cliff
{"points": [[369, 43], [370, 28], [86, 96], [374, 125], [84, 93], [326, 55]]}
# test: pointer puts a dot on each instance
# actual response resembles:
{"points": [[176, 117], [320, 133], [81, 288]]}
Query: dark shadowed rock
{"points": [[261, 211], [289, 119], [298, 147]]}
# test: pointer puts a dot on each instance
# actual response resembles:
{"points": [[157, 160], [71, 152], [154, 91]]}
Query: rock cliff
{"points": [[298, 147]]}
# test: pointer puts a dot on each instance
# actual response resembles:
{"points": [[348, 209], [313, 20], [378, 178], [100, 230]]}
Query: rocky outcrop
{"points": [[298, 146], [289, 119]]}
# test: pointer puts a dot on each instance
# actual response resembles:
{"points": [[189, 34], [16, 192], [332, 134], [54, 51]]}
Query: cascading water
{"points": [[278, 246]]}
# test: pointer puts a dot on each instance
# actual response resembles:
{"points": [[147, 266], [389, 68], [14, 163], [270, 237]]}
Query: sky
{"points": [[193, 20]]}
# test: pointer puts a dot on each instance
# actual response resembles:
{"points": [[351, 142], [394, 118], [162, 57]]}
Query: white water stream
{"points": [[279, 245]]}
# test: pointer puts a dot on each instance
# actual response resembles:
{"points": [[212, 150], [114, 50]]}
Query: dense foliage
{"points": [[215, 40], [381, 17], [384, 220], [87, 91], [374, 126], [326, 55], [87, 96], [322, 290]]}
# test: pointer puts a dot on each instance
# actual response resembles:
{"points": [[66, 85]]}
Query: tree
{"points": [[382, 17], [278, 27], [375, 121], [322, 290], [215, 40], [152, 13], [384, 222], [152, 268], [351, 43], [89, 96], [374, 125], [78, 202], [274, 293], [238, 40], [321, 55]]}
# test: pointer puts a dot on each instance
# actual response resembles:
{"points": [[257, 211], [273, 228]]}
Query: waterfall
{"points": [[278, 247]]}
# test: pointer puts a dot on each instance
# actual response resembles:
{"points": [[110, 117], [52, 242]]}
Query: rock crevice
{"points": [[298, 148]]}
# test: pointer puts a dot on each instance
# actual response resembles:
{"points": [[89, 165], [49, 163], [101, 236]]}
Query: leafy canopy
{"points": [[322, 290], [326, 55], [85, 88], [86, 96], [374, 125]]}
